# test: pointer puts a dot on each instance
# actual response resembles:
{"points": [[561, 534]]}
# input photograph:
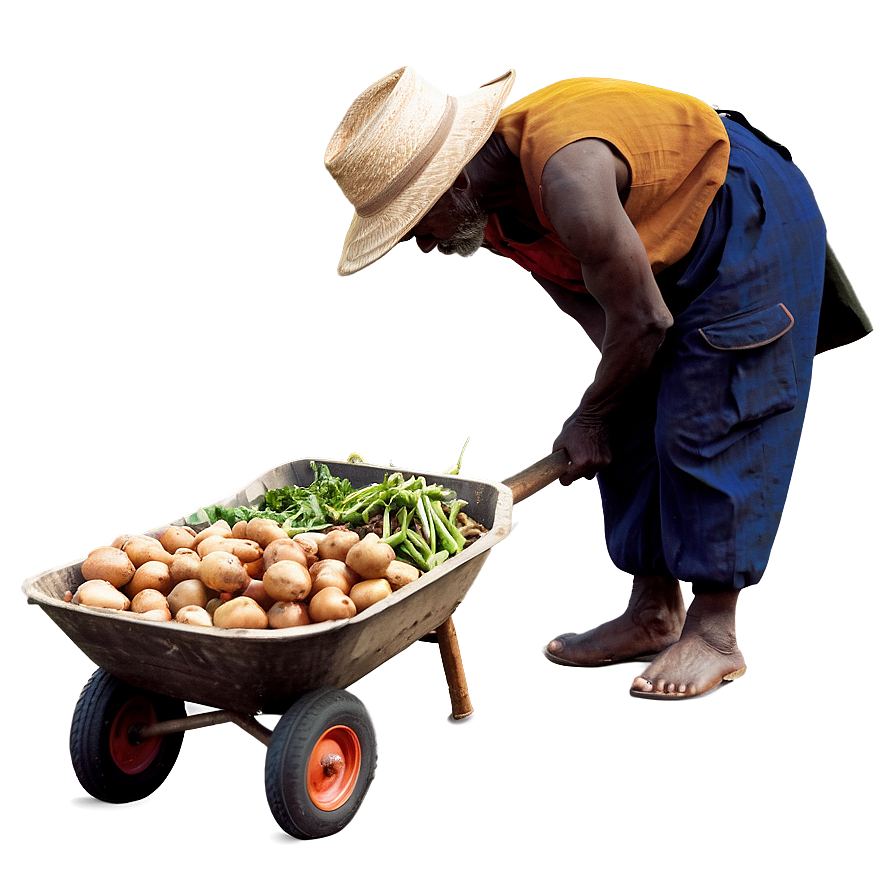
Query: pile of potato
{"points": [[251, 576]]}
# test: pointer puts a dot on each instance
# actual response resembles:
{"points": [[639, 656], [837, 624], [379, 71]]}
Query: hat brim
{"points": [[370, 238]]}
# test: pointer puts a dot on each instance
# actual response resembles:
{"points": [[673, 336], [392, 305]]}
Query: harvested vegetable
{"points": [[370, 557], [330, 603], [223, 571], [336, 544], [100, 595], [284, 549], [398, 574], [188, 593], [143, 548], [288, 614], [332, 573], [369, 592], [184, 565], [240, 612], [191, 615], [109, 563], [175, 537], [423, 523], [152, 574], [149, 599], [264, 531], [287, 580], [305, 555]]}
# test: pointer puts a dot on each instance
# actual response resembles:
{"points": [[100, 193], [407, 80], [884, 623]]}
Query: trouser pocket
{"points": [[746, 373]]}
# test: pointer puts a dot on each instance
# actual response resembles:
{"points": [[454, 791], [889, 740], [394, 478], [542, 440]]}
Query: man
{"points": [[691, 251]]}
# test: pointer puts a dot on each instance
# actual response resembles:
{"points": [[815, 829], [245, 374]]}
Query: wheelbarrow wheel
{"points": [[320, 761], [112, 763]]}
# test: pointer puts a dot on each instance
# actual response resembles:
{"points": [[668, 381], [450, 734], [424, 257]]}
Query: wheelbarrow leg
{"points": [[446, 636]]}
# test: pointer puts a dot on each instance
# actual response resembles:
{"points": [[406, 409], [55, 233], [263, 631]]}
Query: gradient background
{"points": [[175, 327]]}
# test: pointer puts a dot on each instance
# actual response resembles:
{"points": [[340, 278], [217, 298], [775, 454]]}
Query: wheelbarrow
{"points": [[129, 721]]}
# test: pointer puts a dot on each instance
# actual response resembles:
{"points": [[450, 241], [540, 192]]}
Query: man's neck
{"points": [[495, 175]]}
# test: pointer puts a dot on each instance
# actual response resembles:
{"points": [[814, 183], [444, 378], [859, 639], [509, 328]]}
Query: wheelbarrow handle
{"points": [[543, 472]]}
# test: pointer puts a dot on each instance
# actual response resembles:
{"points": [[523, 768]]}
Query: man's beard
{"points": [[470, 233]]}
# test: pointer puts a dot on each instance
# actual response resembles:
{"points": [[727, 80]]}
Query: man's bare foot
{"points": [[652, 621], [706, 654]]}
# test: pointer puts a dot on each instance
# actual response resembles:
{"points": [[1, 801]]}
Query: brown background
{"points": [[175, 326]]}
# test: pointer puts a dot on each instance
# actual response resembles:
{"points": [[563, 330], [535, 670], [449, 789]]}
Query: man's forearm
{"points": [[628, 352], [636, 321]]}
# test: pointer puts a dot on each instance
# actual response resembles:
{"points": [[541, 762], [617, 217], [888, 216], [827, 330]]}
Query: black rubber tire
{"points": [[289, 755], [110, 765]]}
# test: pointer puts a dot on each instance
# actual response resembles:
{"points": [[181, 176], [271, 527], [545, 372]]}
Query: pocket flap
{"points": [[749, 330]]}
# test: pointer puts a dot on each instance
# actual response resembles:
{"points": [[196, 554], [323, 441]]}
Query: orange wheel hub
{"points": [[132, 755], [333, 767]]}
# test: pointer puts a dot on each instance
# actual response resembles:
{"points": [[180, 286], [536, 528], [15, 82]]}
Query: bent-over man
{"points": [[690, 249]]}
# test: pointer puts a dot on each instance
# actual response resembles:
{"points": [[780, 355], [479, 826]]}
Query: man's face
{"points": [[455, 225]]}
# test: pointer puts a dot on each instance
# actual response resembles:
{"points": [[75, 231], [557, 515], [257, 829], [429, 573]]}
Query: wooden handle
{"points": [[543, 472], [461, 706]]}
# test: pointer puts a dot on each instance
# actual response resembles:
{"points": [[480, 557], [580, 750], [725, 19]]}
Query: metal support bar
{"points": [[205, 720]]}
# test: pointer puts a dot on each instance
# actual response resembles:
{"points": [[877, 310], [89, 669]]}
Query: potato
{"points": [[110, 564], [264, 531], [246, 550], [184, 565], [100, 595], [330, 603], [243, 548], [336, 544], [369, 592], [240, 612], [213, 542], [398, 574], [288, 614], [162, 614], [370, 557], [326, 573], [222, 527], [309, 545], [188, 593], [256, 590], [255, 568], [192, 615], [287, 580], [175, 537], [152, 574], [222, 571], [143, 548], [148, 599], [284, 549]]}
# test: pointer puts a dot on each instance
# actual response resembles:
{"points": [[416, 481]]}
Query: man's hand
{"points": [[587, 445]]}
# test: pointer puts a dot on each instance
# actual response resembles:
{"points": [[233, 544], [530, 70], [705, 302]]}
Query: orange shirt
{"points": [[676, 148]]}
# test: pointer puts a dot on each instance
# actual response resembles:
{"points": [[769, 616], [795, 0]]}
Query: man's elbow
{"points": [[660, 321], [649, 326]]}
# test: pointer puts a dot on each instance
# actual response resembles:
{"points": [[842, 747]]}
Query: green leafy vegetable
{"points": [[419, 519]]}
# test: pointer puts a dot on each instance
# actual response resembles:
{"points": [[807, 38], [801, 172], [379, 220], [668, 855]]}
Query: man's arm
{"points": [[580, 306], [581, 187]]}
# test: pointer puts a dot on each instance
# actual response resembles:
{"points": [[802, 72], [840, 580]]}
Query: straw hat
{"points": [[399, 148]]}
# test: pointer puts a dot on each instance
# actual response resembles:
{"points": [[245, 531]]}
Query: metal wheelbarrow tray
{"points": [[130, 719]]}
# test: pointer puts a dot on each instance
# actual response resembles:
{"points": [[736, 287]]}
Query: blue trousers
{"points": [[703, 454]]}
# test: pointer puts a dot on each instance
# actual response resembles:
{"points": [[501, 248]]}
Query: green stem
{"points": [[415, 556], [452, 538]]}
